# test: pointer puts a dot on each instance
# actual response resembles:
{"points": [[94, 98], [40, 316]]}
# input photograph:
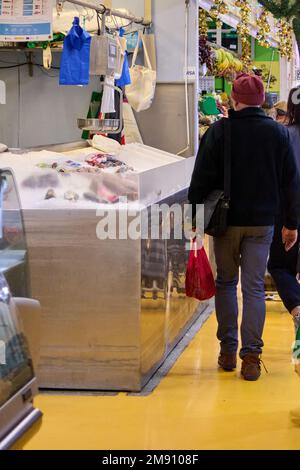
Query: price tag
{"points": [[2, 353], [190, 73], [2, 92]]}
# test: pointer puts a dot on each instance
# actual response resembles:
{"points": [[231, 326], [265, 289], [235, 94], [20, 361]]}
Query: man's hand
{"points": [[289, 238]]}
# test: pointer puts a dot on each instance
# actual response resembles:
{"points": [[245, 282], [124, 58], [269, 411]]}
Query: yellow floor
{"points": [[195, 407]]}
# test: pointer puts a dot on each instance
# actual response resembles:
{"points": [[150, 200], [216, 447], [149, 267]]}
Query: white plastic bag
{"points": [[121, 56], [141, 92], [108, 97], [106, 145]]}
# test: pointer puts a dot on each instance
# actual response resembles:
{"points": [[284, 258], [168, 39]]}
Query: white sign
{"points": [[25, 20], [2, 92], [189, 72], [2, 353]]}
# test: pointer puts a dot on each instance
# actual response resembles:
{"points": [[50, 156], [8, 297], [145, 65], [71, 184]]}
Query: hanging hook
{"points": [[59, 6]]}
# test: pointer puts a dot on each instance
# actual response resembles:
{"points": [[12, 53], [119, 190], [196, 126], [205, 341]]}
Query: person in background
{"points": [[268, 106], [262, 163], [281, 112], [283, 264]]}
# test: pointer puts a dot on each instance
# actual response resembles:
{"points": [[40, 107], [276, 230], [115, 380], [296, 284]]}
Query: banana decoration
{"points": [[226, 64]]}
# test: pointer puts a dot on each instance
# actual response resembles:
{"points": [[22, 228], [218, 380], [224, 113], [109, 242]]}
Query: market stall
{"points": [[240, 36], [112, 308]]}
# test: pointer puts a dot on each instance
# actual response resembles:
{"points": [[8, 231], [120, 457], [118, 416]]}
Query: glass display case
{"points": [[17, 378], [13, 251]]}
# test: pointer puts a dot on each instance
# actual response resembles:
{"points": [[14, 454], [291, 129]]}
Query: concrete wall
{"points": [[40, 112]]}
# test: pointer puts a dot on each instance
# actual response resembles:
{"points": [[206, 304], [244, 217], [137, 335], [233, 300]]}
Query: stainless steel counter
{"points": [[111, 309]]}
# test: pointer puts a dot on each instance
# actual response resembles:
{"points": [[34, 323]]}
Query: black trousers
{"points": [[282, 266]]}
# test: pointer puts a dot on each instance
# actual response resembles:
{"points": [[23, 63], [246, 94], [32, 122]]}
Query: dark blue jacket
{"points": [[263, 169]]}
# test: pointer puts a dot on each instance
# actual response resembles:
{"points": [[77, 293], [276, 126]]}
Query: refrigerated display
{"points": [[112, 309]]}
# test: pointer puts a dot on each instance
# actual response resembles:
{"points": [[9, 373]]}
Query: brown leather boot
{"points": [[227, 361], [251, 369]]}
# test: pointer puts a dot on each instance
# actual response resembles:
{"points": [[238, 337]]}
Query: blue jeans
{"points": [[283, 268], [246, 248]]}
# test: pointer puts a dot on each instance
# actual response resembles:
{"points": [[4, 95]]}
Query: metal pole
{"points": [[270, 71], [148, 10], [110, 11]]}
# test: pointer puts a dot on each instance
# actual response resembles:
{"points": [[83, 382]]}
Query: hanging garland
{"points": [[203, 26], [219, 8], [289, 10], [244, 31], [264, 29], [285, 34]]}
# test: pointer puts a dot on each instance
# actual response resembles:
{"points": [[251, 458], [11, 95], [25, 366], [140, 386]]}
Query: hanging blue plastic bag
{"points": [[132, 40], [75, 61], [125, 77]]}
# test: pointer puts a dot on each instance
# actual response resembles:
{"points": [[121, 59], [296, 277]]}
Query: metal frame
{"points": [[18, 414], [110, 11]]}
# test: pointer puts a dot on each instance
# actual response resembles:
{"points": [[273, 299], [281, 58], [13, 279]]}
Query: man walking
{"points": [[263, 169]]}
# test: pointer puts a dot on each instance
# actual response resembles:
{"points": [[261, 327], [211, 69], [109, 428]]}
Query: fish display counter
{"points": [[112, 294]]}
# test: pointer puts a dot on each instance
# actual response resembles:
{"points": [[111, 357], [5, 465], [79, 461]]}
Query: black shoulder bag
{"points": [[216, 205]]}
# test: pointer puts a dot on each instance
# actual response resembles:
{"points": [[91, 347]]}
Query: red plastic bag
{"points": [[199, 281]]}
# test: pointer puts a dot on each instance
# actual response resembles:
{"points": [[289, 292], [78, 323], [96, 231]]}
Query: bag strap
{"points": [[136, 51], [122, 44], [227, 158], [148, 61]]}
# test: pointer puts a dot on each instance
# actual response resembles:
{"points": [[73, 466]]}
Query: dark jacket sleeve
{"points": [[206, 174], [290, 186]]}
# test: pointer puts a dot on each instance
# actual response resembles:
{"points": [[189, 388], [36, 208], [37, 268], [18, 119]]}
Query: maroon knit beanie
{"points": [[248, 89]]}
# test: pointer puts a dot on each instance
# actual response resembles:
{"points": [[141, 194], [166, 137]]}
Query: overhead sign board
{"points": [[25, 20]]}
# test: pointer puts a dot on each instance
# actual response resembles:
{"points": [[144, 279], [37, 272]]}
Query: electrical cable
{"points": [[128, 24], [13, 66], [26, 63], [8, 62], [187, 107]]}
